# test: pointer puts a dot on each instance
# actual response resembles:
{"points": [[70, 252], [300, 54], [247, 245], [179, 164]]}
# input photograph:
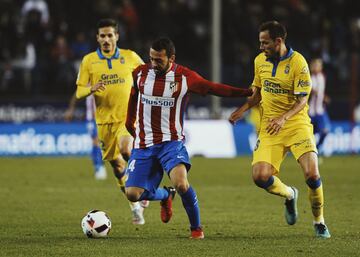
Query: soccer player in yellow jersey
{"points": [[282, 85], [107, 74]]}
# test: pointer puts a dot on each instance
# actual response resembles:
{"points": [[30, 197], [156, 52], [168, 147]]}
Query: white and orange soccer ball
{"points": [[96, 224]]}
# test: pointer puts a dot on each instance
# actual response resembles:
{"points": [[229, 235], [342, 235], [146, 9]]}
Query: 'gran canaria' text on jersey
{"points": [[274, 88], [111, 79]]}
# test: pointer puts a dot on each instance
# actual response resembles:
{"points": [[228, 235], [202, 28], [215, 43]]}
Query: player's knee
{"points": [[262, 177], [119, 173], [313, 177], [263, 180], [125, 154], [312, 174], [182, 187], [132, 194], [118, 167]]}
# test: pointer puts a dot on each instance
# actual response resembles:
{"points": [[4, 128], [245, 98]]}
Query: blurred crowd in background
{"points": [[42, 42]]}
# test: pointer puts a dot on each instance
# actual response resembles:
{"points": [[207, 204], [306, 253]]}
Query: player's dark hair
{"points": [[275, 29], [107, 23], [164, 43]]}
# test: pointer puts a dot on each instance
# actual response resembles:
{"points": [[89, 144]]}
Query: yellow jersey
{"points": [[116, 73], [280, 82]]}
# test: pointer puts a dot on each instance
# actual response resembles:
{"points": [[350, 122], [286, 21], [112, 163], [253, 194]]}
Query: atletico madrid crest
{"points": [[173, 86]]}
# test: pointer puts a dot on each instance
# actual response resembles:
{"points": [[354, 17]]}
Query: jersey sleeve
{"points": [[302, 79], [199, 85], [131, 112], [82, 92], [132, 104], [135, 74], [256, 82], [83, 78], [83, 74]]}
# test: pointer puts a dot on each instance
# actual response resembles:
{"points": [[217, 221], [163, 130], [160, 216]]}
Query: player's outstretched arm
{"points": [[218, 89], [253, 100], [199, 85]]}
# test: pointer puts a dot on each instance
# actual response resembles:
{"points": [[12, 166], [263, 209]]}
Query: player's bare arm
{"points": [[69, 113], [253, 100], [275, 124]]}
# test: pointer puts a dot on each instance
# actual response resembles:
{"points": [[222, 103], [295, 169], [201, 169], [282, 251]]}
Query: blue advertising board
{"points": [[44, 139], [60, 139]]}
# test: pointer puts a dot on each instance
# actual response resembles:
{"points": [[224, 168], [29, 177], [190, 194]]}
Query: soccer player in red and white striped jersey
{"points": [[156, 120]]}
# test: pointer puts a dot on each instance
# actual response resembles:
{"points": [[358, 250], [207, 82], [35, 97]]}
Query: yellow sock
{"points": [[316, 198], [279, 188]]}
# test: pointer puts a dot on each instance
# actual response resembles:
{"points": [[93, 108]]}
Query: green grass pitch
{"points": [[42, 201]]}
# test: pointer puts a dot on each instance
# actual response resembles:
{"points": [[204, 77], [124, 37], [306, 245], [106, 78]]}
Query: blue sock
{"points": [[190, 203], [265, 184], [313, 184], [160, 194], [96, 157], [321, 139]]}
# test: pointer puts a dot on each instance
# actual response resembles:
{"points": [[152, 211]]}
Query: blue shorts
{"points": [[91, 128], [320, 122], [146, 166]]}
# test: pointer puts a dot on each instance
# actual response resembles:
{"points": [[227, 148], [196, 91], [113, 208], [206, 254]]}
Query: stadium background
{"points": [[42, 43]]}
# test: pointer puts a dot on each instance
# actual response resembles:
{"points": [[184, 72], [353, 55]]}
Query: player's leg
{"points": [[263, 174], [305, 153], [176, 162], [144, 176], [119, 166], [309, 164], [266, 164], [323, 130], [96, 156], [178, 177], [124, 148], [109, 136], [137, 210], [125, 144]]}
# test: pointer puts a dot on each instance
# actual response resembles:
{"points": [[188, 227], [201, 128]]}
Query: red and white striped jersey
{"points": [[316, 103], [157, 102]]}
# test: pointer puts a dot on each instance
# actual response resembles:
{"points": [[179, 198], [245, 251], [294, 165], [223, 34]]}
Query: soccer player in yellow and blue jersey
{"points": [[282, 85], [107, 74]]}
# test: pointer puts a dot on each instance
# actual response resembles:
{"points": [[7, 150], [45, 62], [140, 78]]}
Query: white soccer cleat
{"points": [[138, 216], [100, 174]]}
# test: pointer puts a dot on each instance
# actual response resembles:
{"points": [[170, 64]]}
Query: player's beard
{"points": [[162, 71], [273, 55]]}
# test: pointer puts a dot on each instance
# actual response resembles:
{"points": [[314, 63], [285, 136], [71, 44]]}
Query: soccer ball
{"points": [[96, 224]]}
